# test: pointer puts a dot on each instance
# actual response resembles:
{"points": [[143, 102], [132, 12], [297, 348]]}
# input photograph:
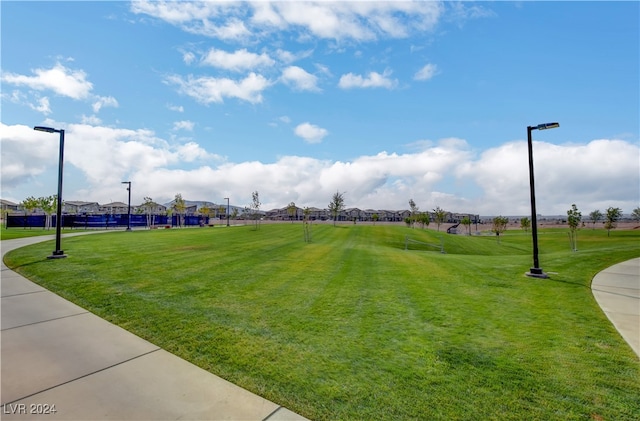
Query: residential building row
{"points": [[281, 214]]}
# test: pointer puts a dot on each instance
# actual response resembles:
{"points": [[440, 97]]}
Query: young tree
{"points": [[574, 216], [440, 216], [336, 205], [611, 219], [500, 225], [255, 207], [423, 219], [595, 216], [29, 205], [635, 214], [525, 223], [148, 206], [466, 221], [306, 224], [205, 212], [48, 205], [180, 207], [414, 212], [291, 210], [375, 218]]}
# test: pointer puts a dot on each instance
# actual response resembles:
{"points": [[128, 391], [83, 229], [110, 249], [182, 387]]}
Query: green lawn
{"points": [[12, 233], [352, 326]]}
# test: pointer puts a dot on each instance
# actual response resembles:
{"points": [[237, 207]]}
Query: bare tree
{"points": [[336, 205]]}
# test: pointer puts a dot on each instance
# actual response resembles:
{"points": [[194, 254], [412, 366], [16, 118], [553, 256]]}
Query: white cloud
{"points": [[210, 89], [91, 120], [353, 20], [177, 108], [183, 125], [372, 80], [104, 101], [427, 72], [191, 151], [59, 79], [310, 132], [239, 60], [197, 17], [25, 154], [288, 57], [442, 173], [43, 106], [299, 79], [188, 57], [586, 174]]}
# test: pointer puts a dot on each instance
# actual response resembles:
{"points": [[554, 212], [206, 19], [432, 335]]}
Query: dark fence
{"points": [[105, 221]]}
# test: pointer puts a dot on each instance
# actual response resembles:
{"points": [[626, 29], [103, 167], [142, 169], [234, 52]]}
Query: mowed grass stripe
{"points": [[352, 326]]}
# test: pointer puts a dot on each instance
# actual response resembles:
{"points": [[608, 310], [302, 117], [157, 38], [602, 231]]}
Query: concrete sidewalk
{"points": [[617, 291], [55, 353]]}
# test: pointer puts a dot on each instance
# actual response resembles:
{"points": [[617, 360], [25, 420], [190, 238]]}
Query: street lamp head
{"points": [[546, 126], [45, 129]]}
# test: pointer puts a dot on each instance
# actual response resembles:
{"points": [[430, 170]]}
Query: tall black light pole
{"points": [[57, 253], [129, 206], [227, 199], [535, 271]]}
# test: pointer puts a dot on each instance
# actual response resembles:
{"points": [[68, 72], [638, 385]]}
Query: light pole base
{"points": [[57, 254], [537, 273]]}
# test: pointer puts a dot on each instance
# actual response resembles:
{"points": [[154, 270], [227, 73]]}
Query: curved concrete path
{"points": [[617, 291], [56, 353]]}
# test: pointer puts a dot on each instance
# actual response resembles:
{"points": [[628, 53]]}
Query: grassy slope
{"points": [[353, 326]]}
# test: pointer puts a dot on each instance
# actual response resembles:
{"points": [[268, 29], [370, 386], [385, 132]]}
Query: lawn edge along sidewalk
{"points": [[63, 362], [617, 291]]}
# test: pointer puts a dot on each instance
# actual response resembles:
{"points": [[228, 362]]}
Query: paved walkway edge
{"points": [[617, 291], [61, 362]]}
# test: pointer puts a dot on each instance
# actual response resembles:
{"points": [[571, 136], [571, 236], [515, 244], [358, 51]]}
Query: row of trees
{"points": [[424, 218], [48, 205], [574, 218]]}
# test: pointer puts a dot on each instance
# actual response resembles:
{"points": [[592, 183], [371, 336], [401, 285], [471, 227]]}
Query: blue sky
{"points": [[384, 101]]}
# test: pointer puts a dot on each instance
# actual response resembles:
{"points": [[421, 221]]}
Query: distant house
{"points": [[316, 214], [152, 208], [79, 207], [114, 208], [283, 214], [8, 206], [350, 214]]}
